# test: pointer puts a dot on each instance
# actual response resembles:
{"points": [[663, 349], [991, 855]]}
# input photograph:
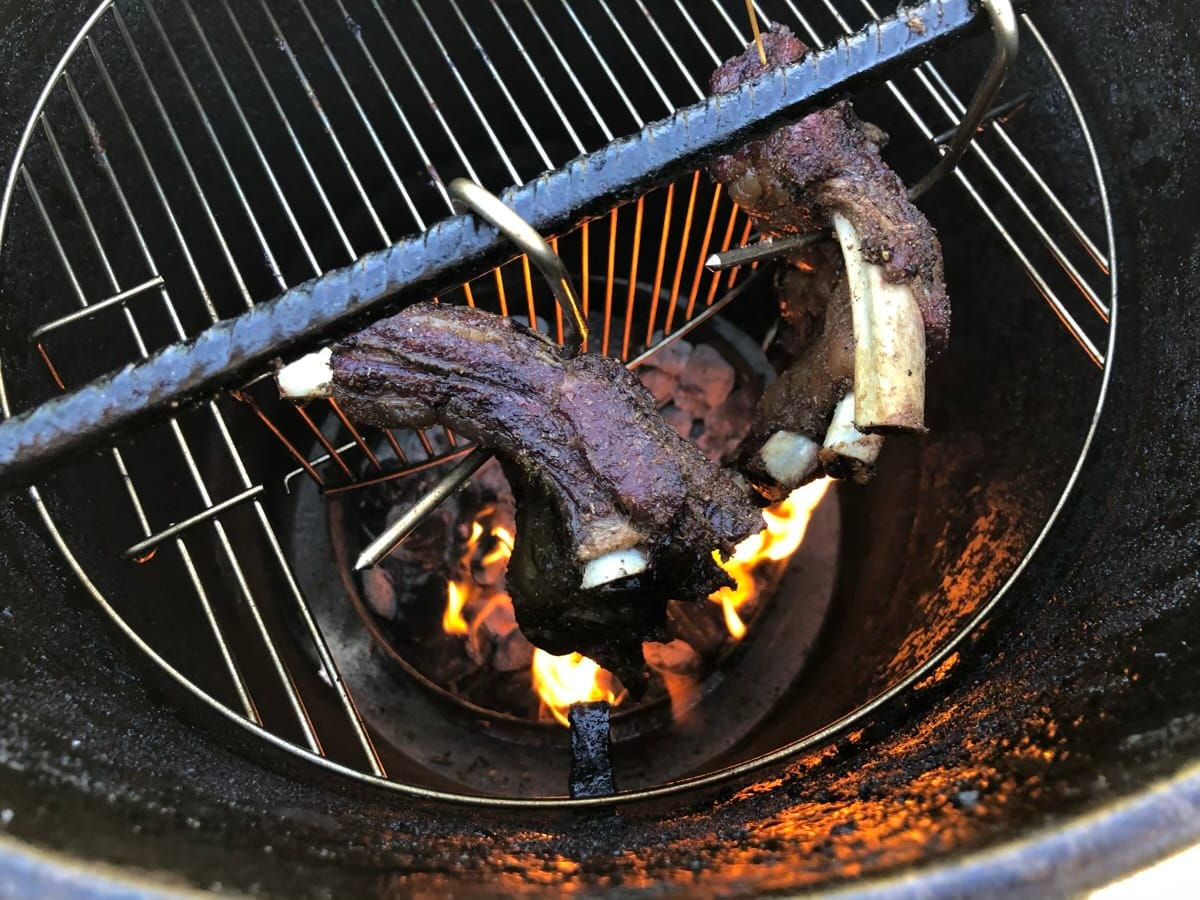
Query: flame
{"points": [[504, 545], [558, 680], [452, 619], [460, 593], [563, 680], [786, 524]]}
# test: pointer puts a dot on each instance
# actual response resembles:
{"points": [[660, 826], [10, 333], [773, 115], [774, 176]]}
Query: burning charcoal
{"points": [[658, 383], [728, 424], [679, 420], [671, 358], [705, 382], [496, 618], [513, 653], [701, 626], [380, 592], [445, 661]]}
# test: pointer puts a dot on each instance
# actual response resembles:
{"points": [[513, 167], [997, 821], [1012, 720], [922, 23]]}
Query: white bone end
{"points": [[613, 566], [790, 458], [309, 376]]}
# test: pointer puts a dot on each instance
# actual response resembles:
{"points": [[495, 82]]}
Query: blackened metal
{"points": [[1001, 113], [591, 767], [456, 249]]}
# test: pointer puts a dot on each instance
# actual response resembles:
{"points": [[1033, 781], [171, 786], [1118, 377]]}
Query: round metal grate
{"points": [[190, 160]]}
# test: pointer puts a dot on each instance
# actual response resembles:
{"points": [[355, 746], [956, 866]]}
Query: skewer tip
{"points": [[365, 560]]}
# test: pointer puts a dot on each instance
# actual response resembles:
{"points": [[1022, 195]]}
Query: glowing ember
{"points": [[787, 523], [563, 680]]}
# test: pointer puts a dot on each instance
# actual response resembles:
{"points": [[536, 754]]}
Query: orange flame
{"points": [[787, 523], [452, 619], [563, 680], [504, 545]]}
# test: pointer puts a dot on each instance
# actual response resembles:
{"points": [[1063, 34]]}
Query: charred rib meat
{"points": [[616, 513], [826, 170]]}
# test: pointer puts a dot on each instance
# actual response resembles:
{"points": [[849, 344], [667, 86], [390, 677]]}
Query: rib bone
{"points": [[847, 452], [889, 344]]}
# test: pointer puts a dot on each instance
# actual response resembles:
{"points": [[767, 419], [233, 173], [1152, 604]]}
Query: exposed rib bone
{"points": [[307, 378], [848, 453], [613, 566], [889, 344], [790, 459]]}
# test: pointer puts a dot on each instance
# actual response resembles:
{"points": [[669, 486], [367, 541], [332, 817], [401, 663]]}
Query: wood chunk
{"points": [[679, 420], [705, 382], [512, 653], [380, 592], [673, 358], [659, 383]]}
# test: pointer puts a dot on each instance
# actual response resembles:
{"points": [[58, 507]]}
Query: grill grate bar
{"points": [[954, 108], [997, 128], [384, 156], [214, 226], [568, 69], [206, 122], [311, 92], [662, 259], [641, 60], [691, 22], [294, 701], [142, 547], [91, 309], [434, 107], [1101, 259], [294, 698], [259, 154], [500, 83], [540, 79], [670, 48], [1056, 251], [235, 675], [612, 78], [303, 157], [467, 93]]}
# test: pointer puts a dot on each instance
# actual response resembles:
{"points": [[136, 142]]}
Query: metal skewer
{"points": [[488, 206], [1003, 18]]}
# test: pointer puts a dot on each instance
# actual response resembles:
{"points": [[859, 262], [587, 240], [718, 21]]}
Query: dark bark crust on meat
{"points": [[795, 178], [817, 335], [594, 468]]}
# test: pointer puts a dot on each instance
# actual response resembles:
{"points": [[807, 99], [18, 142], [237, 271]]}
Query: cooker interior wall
{"points": [[1076, 696]]}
